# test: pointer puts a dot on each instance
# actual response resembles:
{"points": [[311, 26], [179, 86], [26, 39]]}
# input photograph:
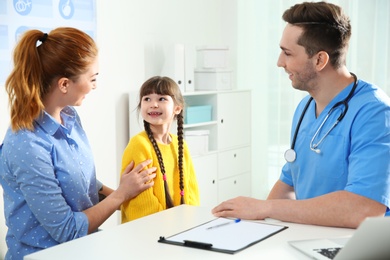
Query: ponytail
{"points": [[24, 84], [39, 60]]}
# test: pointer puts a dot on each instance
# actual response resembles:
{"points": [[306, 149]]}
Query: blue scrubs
{"points": [[355, 156]]}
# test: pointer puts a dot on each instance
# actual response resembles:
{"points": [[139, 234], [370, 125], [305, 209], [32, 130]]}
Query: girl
{"points": [[161, 102]]}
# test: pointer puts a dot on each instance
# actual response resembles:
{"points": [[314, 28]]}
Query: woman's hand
{"points": [[135, 180]]}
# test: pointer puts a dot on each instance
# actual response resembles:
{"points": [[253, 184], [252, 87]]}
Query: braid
{"points": [[168, 199], [180, 156]]}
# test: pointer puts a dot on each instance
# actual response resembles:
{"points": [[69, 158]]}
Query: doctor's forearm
{"points": [[341, 209]]}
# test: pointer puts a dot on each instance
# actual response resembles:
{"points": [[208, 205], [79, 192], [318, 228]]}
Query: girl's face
{"points": [[159, 109]]}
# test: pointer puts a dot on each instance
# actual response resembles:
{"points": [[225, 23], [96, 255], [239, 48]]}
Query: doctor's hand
{"points": [[241, 207], [135, 180]]}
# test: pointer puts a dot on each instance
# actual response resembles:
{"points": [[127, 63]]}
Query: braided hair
{"points": [[166, 86]]}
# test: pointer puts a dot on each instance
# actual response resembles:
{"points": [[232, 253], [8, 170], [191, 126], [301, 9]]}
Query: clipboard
{"points": [[224, 235]]}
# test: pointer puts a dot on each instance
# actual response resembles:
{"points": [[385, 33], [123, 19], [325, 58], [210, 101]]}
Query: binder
{"points": [[174, 65], [224, 235], [189, 61], [179, 65]]}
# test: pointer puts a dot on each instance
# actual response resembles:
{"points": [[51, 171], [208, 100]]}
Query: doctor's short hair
{"points": [[325, 28]]}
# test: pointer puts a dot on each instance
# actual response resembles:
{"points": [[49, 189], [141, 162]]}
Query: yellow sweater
{"points": [[152, 200]]}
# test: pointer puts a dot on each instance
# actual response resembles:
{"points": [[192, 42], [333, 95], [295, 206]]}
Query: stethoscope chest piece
{"points": [[290, 155]]}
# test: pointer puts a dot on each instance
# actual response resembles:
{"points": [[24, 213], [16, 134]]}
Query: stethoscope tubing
{"points": [[290, 154]]}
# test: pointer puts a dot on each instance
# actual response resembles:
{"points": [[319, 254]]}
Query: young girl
{"points": [[161, 102]]}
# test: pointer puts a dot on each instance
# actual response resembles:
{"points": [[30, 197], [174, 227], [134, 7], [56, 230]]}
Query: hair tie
{"points": [[43, 38]]}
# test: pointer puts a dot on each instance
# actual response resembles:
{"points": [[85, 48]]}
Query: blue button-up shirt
{"points": [[48, 177]]}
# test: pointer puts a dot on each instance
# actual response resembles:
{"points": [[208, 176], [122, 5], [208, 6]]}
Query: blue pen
{"points": [[226, 223]]}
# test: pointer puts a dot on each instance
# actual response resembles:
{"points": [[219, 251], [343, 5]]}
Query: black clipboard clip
{"points": [[196, 244], [188, 243]]}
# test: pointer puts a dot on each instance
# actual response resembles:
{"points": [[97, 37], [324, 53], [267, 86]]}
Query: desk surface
{"points": [[138, 240]]}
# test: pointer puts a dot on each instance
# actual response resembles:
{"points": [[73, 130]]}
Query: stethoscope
{"points": [[290, 155]]}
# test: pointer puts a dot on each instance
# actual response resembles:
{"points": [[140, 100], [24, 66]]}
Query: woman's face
{"points": [[79, 88]]}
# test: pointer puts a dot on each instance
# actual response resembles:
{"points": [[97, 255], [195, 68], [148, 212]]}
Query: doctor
{"points": [[338, 167]]}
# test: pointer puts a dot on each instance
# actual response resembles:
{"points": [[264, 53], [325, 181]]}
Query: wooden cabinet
{"points": [[224, 171]]}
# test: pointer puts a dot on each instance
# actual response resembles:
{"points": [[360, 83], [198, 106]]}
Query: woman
{"points": [[47, 171]]}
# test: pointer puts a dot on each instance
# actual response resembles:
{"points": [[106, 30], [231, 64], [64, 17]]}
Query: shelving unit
{"points": [[224, 171]]}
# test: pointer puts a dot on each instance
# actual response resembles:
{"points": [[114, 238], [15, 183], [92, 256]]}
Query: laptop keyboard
{"points": [[328, 252]]}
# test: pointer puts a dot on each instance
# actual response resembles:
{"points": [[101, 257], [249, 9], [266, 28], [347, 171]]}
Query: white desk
{"points": [[138, 240]]}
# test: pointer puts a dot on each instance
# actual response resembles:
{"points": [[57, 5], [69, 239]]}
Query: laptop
{"points": [[371, 240]]}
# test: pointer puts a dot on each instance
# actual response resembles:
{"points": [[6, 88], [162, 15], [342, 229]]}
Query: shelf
{"points": [[210, 92], [200, 93], [200, 124]]}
